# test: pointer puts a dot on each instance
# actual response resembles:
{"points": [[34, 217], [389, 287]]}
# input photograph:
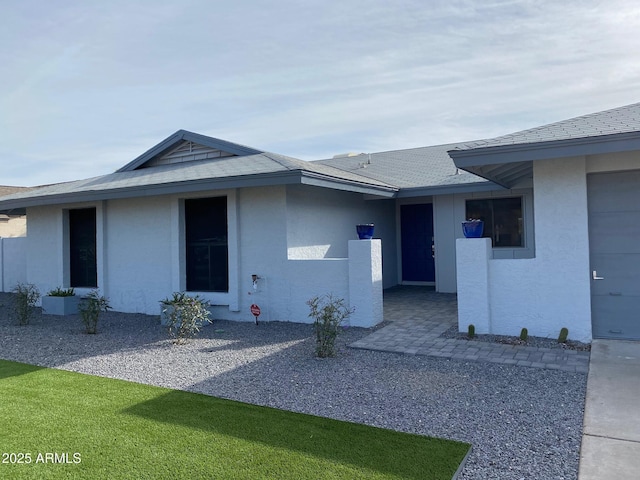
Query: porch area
{"points": [[418, 316]]}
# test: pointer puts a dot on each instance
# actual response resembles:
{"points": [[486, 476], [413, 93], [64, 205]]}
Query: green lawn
{"points": [[119, 429]]}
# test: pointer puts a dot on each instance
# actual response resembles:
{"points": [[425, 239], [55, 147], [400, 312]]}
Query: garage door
{"points": [[614, 243]]}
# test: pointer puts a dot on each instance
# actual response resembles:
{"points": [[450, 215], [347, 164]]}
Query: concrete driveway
{"points": [[611, 437]]}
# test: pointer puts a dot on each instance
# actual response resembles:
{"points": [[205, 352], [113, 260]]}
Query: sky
{"points": [[87, 86]]}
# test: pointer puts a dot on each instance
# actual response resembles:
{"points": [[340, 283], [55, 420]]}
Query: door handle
{"points": [[595, 276]]}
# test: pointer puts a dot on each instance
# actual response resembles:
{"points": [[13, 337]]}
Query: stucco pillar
{"points": [[365, 282], [472, 265]]}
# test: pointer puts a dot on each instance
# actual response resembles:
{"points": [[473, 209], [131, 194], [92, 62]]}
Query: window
{"points": [[207, 262], [82, 248], [502, 219]]}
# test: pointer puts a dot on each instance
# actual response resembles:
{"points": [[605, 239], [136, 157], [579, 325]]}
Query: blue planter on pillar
{"points": [[473, 229], [365, 231]]}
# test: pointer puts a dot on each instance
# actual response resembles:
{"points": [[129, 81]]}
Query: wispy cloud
{"points": [[89, 86]]}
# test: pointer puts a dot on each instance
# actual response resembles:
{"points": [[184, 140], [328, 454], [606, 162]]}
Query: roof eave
{"points": [[335, 183], [573, 147], [241, 181], [492, 163], [448, 189]]}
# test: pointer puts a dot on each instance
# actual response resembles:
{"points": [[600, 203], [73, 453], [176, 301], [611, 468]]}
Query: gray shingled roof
{"points": [[507, 160], [224, 172], [624, 119], [424, 168], [8, 190]]}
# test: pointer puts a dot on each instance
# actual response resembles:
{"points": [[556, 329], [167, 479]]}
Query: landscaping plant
{"points": [[185, 315], [564, 333], [90, 308], [327, 313], [524, 334], [62, 292], [471, 332], [26, 296]]}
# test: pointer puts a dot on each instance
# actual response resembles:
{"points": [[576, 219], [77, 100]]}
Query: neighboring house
{"points": [[199, 214], [12, 224]]}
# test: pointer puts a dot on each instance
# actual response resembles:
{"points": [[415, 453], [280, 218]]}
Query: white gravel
{"points": [[522, 422]]}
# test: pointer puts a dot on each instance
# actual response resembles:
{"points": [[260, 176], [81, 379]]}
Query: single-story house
{"points": [[242, 226], [12, 225]]}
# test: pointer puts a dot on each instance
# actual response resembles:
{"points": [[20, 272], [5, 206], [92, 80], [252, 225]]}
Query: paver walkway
{"points": [[418, 317]]}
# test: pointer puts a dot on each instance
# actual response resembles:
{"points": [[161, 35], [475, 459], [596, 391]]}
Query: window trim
{"points": [[70, 244], [528, 251], [178, 251], [523, 234], [188, 244]]}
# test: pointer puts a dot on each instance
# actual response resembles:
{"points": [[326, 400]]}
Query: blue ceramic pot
{"points": [[473, 229], [365, 231]]}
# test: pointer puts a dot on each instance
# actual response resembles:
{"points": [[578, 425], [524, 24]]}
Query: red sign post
{"points": [[255, 311]]}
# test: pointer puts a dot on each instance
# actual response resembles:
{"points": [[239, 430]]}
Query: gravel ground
{"points": [[522, 422]]}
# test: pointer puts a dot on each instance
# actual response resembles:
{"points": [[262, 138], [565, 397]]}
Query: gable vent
{"points": [[187, 152]]}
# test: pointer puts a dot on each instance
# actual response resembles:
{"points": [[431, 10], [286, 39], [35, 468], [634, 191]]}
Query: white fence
{"points": [[13, 262]]}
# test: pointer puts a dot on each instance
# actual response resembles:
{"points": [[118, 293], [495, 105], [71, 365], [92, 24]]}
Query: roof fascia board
{"points": [[173, 140], [449, 189], [243, 181], [317, 181], [280, 178], [545, 150]]}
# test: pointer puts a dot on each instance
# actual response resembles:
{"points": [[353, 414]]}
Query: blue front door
{"points": [[416, 229]]}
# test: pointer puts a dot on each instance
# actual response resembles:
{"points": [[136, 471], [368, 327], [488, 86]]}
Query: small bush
{"points": [[471, 331], [327, 313], [26, 297], [90, 308], [186, 315], [564, 333], [62, 292], [524, 334]]}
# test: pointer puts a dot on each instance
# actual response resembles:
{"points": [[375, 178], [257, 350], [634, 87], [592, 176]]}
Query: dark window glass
{"points": [[82, 248], [206, 242], [502, 220]]}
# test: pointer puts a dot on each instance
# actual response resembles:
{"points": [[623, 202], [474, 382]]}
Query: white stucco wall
{"points": [[321, 222], [141, 251], [137, 253], [552, 290], [44, 266]]}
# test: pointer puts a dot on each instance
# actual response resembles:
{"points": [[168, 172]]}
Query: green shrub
{"points": [[524, 334], [185, 315], [471, 331], [564, 333], [327, 313], [90, 308], [26, 297], [61, 292]]}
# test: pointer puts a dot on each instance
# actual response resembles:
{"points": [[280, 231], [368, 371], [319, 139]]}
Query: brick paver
{"points": [[418, 317]]}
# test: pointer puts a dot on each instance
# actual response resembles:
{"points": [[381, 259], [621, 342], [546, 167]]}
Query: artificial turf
{"points": [[70, 425]]}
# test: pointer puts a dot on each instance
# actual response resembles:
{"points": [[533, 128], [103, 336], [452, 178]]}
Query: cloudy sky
{"points": [[86, 86]]}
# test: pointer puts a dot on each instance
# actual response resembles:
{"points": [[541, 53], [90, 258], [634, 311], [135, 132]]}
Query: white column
{"points": [[365, 282], [472, 265]]}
